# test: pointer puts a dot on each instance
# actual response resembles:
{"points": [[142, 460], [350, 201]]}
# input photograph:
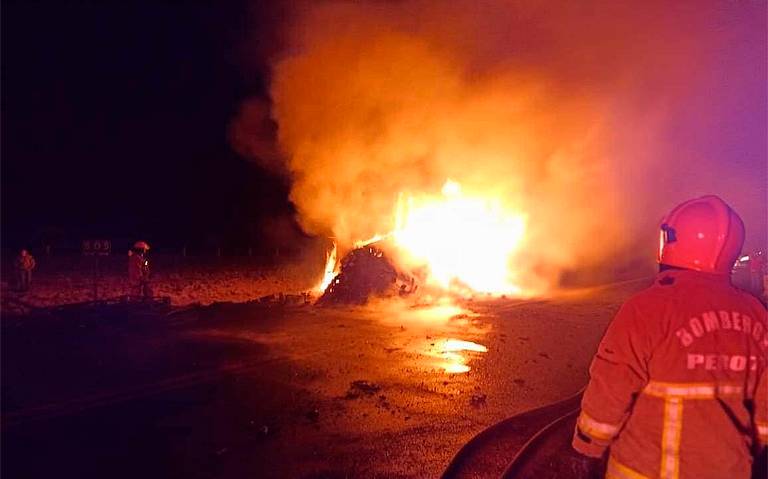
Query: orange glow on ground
{"points": [[449, 351], [461, 345], [436, 313]]}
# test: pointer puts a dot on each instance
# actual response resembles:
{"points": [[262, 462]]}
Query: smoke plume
{"points": [[591, 118]]}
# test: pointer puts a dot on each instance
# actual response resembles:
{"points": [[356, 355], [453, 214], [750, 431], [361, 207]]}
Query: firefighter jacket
{"points": [[25, 263], [678, 385], [138, 268]]}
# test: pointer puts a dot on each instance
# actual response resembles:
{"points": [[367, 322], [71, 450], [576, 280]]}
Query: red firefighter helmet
{"points": [[703, 234]]}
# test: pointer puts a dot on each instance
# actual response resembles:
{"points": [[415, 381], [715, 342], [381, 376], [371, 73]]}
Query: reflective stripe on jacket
{"points": [[673, 388]]}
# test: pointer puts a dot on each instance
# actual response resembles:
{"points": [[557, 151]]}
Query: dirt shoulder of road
{"points": [[185, 282]]}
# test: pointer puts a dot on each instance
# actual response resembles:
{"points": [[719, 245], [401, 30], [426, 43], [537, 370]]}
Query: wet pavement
{"points": [[259, 390]]}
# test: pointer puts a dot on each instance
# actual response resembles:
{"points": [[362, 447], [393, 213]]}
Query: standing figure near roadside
{"points": [[25, 263], [678, 385], [138, 271]]}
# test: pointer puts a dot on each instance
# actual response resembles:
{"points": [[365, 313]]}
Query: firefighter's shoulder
{"points": [[651, 297], [750, 302]]}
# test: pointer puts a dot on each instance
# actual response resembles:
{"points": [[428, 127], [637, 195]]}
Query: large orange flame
{"points": [[463, 240], [330, 270]]}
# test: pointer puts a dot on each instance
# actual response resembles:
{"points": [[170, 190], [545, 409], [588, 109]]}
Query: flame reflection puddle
{"points": [[449, 352], [431, 333], [460, 345]]}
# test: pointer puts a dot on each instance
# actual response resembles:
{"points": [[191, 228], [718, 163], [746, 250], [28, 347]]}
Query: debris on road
{"points": [[286, 299], [477, 400], [361, 388]]}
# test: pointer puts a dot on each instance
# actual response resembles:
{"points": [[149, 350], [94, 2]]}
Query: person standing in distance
{"points": [[25, 263]]}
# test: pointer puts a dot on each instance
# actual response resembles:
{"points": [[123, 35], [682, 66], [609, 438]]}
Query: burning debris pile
{"points": [[366, 272]]}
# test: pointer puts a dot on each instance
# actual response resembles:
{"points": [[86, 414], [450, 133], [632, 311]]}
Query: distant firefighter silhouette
{"points": [[24, 264], [138, 271]]}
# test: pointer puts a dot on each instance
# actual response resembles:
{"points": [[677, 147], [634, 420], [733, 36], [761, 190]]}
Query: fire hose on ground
{"points": [[507, 448], [533, 445]]}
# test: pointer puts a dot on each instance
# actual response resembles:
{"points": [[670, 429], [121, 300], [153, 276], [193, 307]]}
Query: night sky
{"points": [[115, 119]]}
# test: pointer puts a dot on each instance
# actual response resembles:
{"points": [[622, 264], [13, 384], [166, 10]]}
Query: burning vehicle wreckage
{"points": [[366, 272], [423, 252], [363, 273]]}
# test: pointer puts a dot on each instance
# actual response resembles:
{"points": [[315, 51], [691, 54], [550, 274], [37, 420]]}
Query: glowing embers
{"points": [[465, 241], [453, 354]]}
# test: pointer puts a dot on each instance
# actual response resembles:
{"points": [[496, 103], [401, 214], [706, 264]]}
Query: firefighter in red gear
{"points": [[25, 263], [678, 384], [138, 271]]}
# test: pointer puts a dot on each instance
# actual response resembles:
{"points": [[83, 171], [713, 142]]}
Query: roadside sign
{"points": [[96, 247]]}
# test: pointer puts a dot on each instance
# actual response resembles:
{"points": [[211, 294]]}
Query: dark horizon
{"points": [[115, 124]]}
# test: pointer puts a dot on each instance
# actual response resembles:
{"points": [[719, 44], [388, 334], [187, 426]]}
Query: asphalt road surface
{"points": [[254, 390]]}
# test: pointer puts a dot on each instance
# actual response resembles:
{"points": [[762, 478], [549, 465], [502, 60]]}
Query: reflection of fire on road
{"points": [[441, 324], [449, 351]]}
